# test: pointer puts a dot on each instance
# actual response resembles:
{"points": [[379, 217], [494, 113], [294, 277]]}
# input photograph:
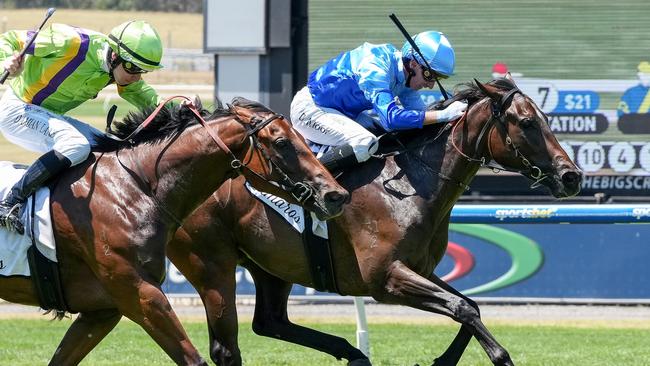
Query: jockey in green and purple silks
{"points": [[64, 67]]}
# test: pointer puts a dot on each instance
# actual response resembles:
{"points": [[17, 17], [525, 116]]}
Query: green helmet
{"points": [[136, 41]]}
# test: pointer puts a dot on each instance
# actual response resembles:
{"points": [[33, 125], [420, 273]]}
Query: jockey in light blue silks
{"points": [[378, 78]]}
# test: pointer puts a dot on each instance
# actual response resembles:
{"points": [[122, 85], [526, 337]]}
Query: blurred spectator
{"points": [[499, 70], [636, 99]]}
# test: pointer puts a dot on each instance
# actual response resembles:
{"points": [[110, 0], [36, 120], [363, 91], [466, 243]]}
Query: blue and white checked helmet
{"points": [[435, 48]]}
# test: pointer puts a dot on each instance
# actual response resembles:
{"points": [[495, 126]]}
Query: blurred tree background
{"points": [[185, 6]]}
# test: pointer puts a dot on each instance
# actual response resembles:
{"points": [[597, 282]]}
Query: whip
{"points": [[29, 43]]}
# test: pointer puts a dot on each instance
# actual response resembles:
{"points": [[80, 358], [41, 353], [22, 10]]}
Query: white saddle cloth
{"points": [[293, 214], [13, 246]]}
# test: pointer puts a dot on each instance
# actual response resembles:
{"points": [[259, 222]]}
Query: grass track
{"points": [[27, 342]]}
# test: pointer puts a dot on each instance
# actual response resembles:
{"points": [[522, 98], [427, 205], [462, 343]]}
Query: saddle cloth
{"points": [[13, 246], [293, 214]]}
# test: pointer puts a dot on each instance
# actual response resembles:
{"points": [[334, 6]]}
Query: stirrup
{"points": [[12, 221]]}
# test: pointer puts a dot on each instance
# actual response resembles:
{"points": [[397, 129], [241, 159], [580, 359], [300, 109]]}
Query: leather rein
{"points": [[300, 191], [497, 119]]}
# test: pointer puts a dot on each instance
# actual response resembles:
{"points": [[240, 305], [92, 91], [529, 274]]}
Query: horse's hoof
{"points": [[441, 362], [503, 359], [360, 362]]}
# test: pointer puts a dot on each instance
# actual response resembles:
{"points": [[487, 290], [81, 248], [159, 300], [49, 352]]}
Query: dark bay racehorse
{"points": [[388, 239], [113, 214]]}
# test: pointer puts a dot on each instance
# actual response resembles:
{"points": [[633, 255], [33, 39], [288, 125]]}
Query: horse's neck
{"points": [[183, 173], [435, 171]]}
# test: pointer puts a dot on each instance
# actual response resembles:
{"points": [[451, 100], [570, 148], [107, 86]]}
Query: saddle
{"points": [[33, 254]]}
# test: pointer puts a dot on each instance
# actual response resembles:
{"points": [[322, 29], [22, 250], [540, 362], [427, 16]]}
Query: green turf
{"points": [[31, 342]]}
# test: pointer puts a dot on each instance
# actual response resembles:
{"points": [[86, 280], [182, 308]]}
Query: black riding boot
{"points": [[339, 158], [44, 168]]}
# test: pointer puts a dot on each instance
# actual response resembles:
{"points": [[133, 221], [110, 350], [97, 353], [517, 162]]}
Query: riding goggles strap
{"points": [[120, 44]]}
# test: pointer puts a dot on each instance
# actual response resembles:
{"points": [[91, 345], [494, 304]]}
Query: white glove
{"points": [[452, 112]]}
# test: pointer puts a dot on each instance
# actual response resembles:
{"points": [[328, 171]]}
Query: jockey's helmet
{"points": [[137, 42], [435, 48]]}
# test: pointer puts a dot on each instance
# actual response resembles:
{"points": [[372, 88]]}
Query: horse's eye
{"points": [[527, 122], [281, 143]]}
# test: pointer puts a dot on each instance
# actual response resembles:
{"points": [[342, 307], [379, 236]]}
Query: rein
{"points": [[497, 119], [299, 191]]}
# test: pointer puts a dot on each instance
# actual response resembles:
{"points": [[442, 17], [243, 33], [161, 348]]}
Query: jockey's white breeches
{"points": [[327, 126], [39, 130]]}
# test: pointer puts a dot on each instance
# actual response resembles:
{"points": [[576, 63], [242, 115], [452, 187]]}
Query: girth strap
{"points": [[45, 276], [319, 257]]}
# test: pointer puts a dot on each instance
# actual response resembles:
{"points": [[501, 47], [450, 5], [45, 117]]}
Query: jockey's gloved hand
{"points": [[453, 112], [13, 64]]}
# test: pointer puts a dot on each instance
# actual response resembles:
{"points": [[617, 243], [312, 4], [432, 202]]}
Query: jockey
{"points": [[332, 108], [63, 68]]}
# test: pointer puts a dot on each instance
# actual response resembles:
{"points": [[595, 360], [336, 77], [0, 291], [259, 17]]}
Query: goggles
{"points": [[132, 68], [430, 75]]}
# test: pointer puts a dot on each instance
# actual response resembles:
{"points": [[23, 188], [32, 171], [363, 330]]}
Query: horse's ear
{"points": [[509, 77], [482, 87]]}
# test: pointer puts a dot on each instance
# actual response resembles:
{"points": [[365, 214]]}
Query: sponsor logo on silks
{"points": [[525, 213], [640, 212], [527, 257]]}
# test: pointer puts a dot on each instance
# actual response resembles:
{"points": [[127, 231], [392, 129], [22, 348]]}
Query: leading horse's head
{"points": [[279, 155], [267, 151], [517, 136]]}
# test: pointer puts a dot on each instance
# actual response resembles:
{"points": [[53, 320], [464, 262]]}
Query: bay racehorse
{"points": [[389, 238], [113, 214]]}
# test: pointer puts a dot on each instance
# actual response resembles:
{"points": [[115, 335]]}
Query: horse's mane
{"points": [[472, 93], [170, 121]]}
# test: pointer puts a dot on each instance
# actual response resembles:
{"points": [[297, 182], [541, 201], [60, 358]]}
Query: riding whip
{"points": [[29, 43], [410, 40]]}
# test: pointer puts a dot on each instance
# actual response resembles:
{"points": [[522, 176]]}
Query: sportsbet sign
{"points": [[526, 260]]}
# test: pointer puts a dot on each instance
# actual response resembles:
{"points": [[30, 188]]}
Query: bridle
{"points": [[497, 119], [300, 191]]}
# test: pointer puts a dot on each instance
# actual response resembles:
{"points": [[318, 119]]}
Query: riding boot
{"points": [[339, 158], [44, 168]]}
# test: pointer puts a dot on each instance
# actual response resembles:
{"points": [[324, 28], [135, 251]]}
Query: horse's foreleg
{"points": [[452, 354], [142, 301], [271, 320], [406, 287], [83, 335], [212, 273]]}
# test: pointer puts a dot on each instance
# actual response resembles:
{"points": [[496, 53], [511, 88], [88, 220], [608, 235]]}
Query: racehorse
{"points": [[113, 214], [390, 236]]}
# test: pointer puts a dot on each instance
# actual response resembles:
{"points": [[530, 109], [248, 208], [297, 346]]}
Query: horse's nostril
{"points": [[335, 197], [571, 178]]}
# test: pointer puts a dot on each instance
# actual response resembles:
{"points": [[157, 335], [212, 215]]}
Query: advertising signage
{"points": [[604, 126], [524, 260]]}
